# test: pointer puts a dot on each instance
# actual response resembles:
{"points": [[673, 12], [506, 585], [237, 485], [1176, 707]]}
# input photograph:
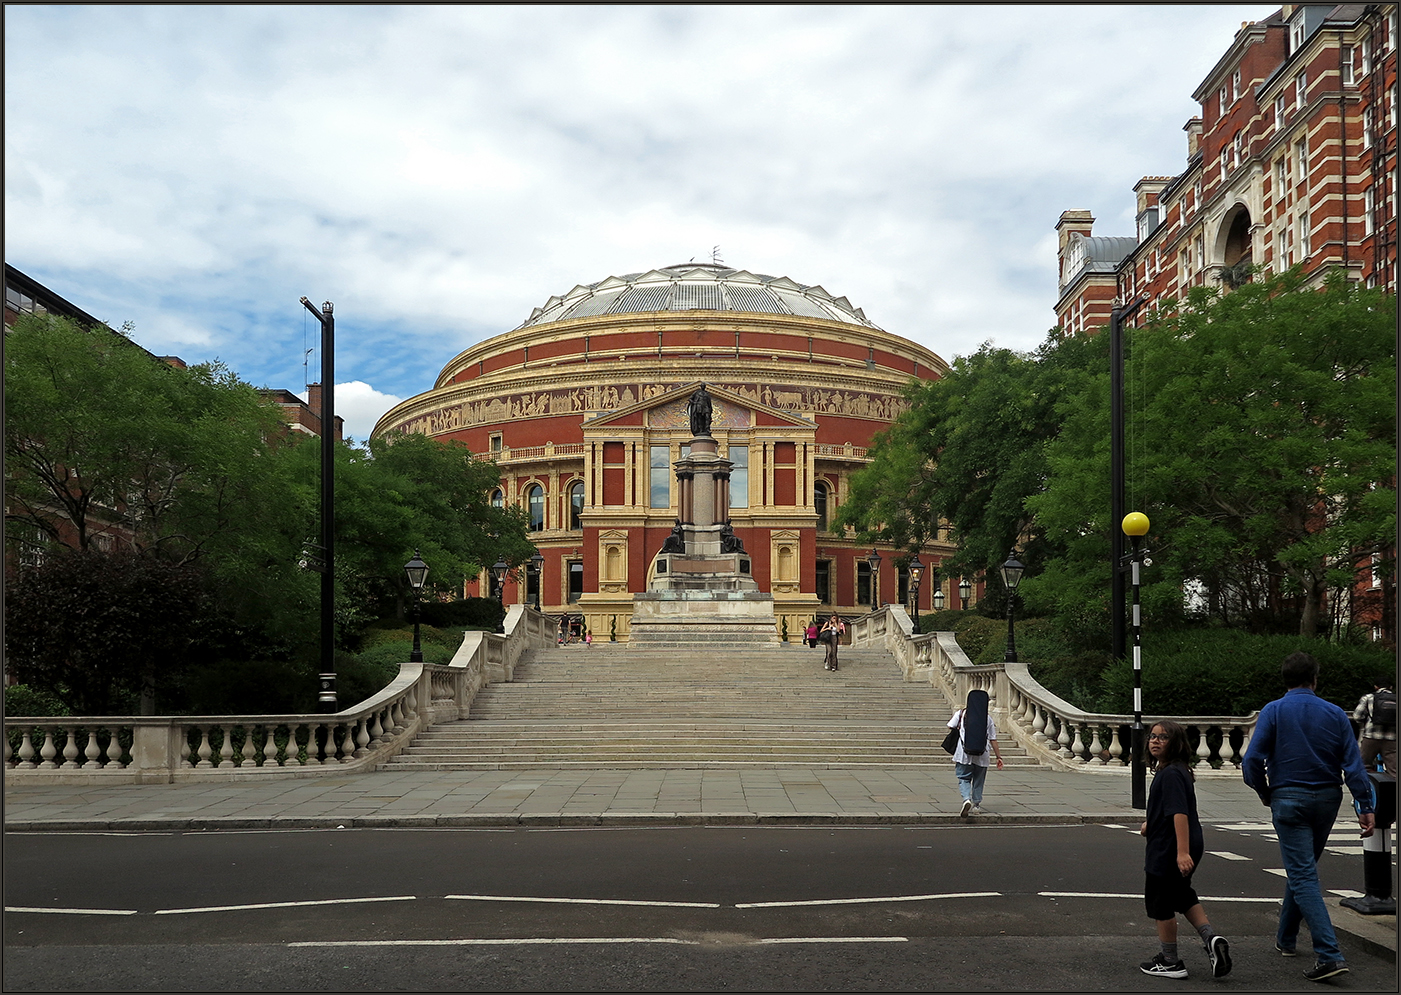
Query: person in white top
{"points": [[972, 769]]}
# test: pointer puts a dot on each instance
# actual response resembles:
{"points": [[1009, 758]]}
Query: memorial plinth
{"points": [[701, 589]]}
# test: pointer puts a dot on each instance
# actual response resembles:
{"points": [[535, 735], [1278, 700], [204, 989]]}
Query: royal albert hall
{"points": [[583, 408]]}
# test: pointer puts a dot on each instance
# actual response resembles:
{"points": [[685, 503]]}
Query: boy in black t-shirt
{"points": [[1175, 847]]}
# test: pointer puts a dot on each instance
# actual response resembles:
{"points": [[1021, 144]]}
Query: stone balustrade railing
{"points": [[1048, 727], [155, 749]]}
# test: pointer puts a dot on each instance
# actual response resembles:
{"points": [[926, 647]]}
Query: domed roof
{"points": [[692, 286]]}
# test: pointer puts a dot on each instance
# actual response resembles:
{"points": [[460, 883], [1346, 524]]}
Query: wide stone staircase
{"points": [[609, 706]]}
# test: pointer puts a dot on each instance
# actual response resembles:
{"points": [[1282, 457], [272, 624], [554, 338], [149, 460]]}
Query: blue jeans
{"points": [[970, 781], [1303, 817]]}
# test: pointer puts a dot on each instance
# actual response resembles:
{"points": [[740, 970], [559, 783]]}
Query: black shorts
{"points": [[1164, 897]]}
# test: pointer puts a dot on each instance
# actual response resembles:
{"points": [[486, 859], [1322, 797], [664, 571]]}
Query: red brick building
{"points": [[1292, 161], [583, 408]]}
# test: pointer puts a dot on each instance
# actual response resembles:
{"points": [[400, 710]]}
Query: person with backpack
{"points": [[970, 758], [1376, 715]]}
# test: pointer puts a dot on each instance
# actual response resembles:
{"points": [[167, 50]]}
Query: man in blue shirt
{"points": [[1301, 743]]}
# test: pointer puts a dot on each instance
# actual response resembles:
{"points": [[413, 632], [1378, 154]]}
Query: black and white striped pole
{"points": [[1135, 526]]}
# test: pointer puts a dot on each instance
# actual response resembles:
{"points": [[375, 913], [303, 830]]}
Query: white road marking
{"points": [[1276, 870], [835, 939], [582, 901], [284, 905], [73, 912], [1227, 855], [525, 940], [1121, 894], [1345, 851], [1344, 893], [866, 901], [1112, 825], [575, 940], [1245, 826]]}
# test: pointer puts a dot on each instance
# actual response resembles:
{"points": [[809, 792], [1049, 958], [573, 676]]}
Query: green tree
{"points": [[406, 494], [968, 453], [1261, 446]]}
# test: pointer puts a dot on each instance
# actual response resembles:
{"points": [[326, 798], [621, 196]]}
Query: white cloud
{"points": [[360, 405], [449, 168]]}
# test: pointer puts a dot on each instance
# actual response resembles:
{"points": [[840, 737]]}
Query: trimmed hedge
{"points": [[1186, 671]]}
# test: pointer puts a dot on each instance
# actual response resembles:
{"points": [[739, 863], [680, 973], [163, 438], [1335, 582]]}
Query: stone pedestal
{"points": [[701, 590]]}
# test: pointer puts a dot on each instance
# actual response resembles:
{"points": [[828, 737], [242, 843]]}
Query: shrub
{"points": [[476, 613], [22, 699]]}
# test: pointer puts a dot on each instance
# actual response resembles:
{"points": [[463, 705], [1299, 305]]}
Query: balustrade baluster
{"points": [[114, 749], [49, 750], [1064, 738], [313, 744], [1038, 723], [376, 729], [205, 750], [362, 737], [1203, 749], [396, 718], [1096, 747], [226, 747], [7, 751], [70, 747], [91, 752], [348, 743], [1077, 748], [26, 752], [270, 746], [1116, 748]]}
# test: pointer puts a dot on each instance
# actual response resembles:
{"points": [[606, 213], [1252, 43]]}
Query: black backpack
{"points": [[1383, 709]]}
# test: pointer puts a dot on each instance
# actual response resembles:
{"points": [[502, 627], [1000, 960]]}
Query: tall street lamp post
{"points": [[537, 564], [916, 575], [1135, 526], [326, 695], [965, 591], [499, 570], [417, 572], [1012, 572], [873, 560]]}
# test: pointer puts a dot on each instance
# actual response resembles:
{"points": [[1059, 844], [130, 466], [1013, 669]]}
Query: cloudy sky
{"points": [[439, 171]]}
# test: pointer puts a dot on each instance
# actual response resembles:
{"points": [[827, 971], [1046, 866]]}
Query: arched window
{"points": [[819, 500], [576, 504], [498, 499], [535, 500]]}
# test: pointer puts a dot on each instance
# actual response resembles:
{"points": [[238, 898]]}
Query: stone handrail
{"points": [[1048, 727], [142, 749]]}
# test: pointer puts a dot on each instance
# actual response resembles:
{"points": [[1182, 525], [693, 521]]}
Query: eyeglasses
{"points": [[1161, 737]]}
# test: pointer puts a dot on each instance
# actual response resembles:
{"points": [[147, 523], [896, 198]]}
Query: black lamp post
{"points": [[536, 569], [1012, 572], [417, 572], [965, 591], [499, 570], [916, 575], [873, 560]]}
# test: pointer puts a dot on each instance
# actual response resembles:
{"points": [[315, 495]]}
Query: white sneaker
{"points": [[977, 810], [967, 805]]}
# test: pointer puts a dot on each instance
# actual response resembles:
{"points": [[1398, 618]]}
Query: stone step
{"points": [[644, 705]]}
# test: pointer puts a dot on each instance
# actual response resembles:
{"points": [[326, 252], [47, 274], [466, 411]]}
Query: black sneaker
{"points": [[1286, 951], [1220, 953], [1160, 968], [1326, 969]]}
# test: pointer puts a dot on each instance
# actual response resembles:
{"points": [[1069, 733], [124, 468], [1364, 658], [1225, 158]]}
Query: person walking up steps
{"points": [[1174, 850]]}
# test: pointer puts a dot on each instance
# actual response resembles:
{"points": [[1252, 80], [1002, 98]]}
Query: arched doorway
{"points": [[1235, 248]]}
